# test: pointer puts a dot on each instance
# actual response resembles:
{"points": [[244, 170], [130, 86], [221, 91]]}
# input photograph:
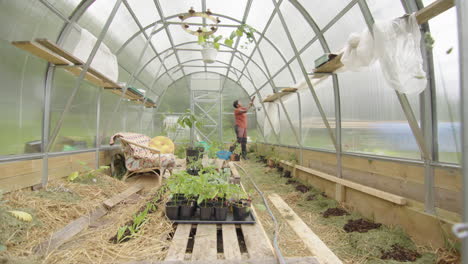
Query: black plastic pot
{"points": [[172, 210], [193, 172], [279, 168], [191, 154], [206, 212], [287, 174], [240, 212], [221, 213], [187, 211]]}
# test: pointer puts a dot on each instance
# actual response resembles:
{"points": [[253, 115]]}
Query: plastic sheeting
{"points": [[396, 45], [80, 43]]}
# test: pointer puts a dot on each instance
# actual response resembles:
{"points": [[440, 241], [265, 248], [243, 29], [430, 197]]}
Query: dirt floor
{"points": [[64, 201], [375, 244]]}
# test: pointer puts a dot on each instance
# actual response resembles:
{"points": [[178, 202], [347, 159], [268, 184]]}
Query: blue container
{"points": [[224, 154]]}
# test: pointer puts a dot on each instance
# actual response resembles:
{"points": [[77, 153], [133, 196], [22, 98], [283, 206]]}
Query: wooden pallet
{"points": [[212, 242]]}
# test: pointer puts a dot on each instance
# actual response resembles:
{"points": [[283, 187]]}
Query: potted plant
{"points": [[194, 166], [221, 204], [188, 119], [240, 202], [211, 43], [207, 191]]}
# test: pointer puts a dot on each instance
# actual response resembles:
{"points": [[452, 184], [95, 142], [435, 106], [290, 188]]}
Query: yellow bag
{"points": [[164, 144]]}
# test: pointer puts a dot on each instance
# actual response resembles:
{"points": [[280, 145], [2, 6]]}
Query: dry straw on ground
{"points": [[64, 202]]}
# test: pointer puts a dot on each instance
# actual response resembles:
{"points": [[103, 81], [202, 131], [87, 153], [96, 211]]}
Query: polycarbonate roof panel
{"points": [[145, 10], [171, 7], [260, 13], [351, 22], [121, 29], [96, 16], [324, 11], [65, 7], [300, 30], [278, 37], [160, 40], [385, 9], [220, 7]]}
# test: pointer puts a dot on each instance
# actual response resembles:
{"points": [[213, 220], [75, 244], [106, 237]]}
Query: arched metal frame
{"points": [[427, 143]]}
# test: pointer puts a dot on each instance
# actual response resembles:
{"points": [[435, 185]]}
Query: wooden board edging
{"points": [[399, 200], [309, 238]]}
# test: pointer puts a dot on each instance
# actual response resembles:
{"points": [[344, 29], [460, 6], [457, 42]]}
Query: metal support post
{"points": [[98, 128], [462, 14]]}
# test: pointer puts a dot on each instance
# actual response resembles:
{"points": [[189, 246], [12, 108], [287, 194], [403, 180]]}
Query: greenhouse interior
{"points": [[229, 132]]}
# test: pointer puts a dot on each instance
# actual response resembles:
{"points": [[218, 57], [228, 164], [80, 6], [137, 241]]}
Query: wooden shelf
{"points": [[278, 95], [57, 56]]}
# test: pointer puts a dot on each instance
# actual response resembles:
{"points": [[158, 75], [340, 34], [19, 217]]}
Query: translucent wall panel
{"points": [[110, 122], [314, 132], [284, 79], [323, 11], [258, 76], [444, 31], [176, 98], [288, 133], [372, 119], [78, 130], [23, 75]]}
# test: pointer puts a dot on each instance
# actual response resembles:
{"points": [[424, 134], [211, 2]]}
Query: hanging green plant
{"points": [[214, 41]]}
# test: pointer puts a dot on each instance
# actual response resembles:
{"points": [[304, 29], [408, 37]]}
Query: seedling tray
{"points": [[250, 219]]}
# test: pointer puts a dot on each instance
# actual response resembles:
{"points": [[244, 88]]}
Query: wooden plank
{"points": [[76, 71], [109, 203], [58, 50], [359, 187], [330, 66], [290, 260], [230, 246], [179, 242], [433, 10], [275, 96], [205, 243], [309, 238], [17, 168], [257, 242], [40, 52], [66, 233]]}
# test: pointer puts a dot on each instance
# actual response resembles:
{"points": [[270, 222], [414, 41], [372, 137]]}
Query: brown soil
{"points": [[400, 253], [360, 225], [287, 174], [324, 194], [291, 182], [311, 197], [334, 212], [302, 188]]}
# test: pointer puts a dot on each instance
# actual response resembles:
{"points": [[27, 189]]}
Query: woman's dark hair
{"points": [[236, 102]]}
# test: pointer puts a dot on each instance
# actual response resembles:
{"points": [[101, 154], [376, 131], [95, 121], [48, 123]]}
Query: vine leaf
{"points": [[23, 216]]}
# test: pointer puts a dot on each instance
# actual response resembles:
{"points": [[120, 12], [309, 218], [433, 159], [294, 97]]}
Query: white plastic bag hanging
{"points": [[359, 51], [397, 45]]}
